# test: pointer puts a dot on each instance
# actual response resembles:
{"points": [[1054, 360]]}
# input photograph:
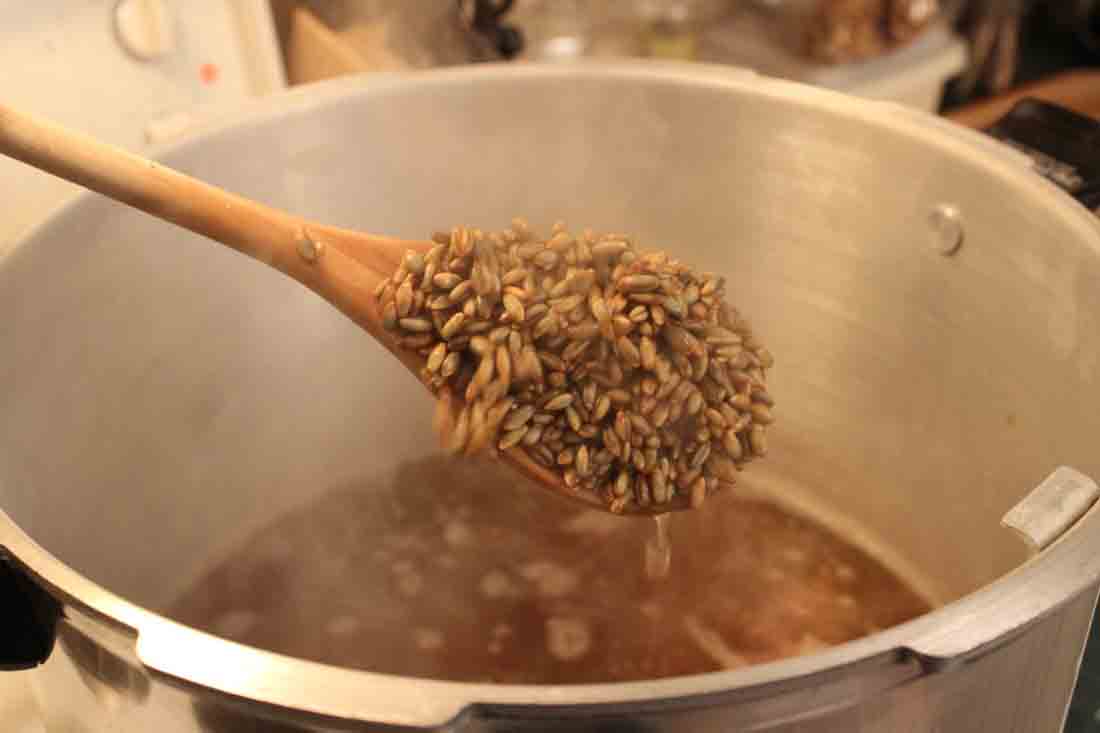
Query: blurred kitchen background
{"points": [[936, 54], [142, 73]]}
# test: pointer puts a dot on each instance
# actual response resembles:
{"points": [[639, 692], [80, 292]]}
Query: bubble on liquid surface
{"points": [[567, 638], [551, 580]]}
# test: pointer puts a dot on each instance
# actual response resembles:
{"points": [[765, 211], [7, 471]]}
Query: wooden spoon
{"points": [[342, 266]]}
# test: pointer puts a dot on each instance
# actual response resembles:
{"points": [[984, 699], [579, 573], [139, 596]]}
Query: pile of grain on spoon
{"points": [[625, 372], [619, 378]]}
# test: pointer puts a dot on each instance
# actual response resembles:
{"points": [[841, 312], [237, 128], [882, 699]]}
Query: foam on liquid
{"points": [[448, 570]]}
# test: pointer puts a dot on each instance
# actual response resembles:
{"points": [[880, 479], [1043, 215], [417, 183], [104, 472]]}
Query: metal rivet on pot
{"points": [[947, 233], [309, 248]]}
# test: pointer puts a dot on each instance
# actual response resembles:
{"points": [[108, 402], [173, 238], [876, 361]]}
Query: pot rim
{"points": [[959, 630]]}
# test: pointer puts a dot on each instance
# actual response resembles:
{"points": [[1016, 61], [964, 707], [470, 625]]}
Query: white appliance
{"points": [[136, 73], [133, 72]]}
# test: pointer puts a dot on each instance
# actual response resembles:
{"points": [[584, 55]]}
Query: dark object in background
{"points": [[1081, 18], [993, 28], [29, 616], [1061, 143], [1013, 42], [485, 17]]}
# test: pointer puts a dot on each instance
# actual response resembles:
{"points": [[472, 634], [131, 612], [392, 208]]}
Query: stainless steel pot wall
{"points": [[159, 395]]}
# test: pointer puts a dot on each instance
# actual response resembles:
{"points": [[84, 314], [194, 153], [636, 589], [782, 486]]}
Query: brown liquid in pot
{"points": [[450, 572]]}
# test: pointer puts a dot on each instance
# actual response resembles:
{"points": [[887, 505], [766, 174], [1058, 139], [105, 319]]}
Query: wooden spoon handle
{"points": [[269, 235], [340, 265]]}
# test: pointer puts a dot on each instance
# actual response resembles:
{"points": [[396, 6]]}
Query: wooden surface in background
{"points": [[314, 51], [1077, 90]]}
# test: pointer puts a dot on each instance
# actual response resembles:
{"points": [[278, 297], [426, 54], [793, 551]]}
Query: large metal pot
{"points": [[160, 394]]}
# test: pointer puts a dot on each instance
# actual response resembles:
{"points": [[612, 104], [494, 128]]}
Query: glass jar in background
{"points": [[559, 30], [845, 31], [806, 31]]}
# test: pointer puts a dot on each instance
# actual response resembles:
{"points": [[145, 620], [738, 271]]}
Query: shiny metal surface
{"points": [[922, 396]]}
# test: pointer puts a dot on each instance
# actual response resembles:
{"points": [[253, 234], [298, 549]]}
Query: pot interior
{"points": [[162, 398]]}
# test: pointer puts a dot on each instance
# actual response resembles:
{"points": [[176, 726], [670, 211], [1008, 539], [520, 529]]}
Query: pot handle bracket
{"points": [[1063, 145], [1052, 509], [1042, 519]]}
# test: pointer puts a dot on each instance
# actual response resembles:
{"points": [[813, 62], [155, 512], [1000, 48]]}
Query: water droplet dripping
{"points": [[658, 549]]}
